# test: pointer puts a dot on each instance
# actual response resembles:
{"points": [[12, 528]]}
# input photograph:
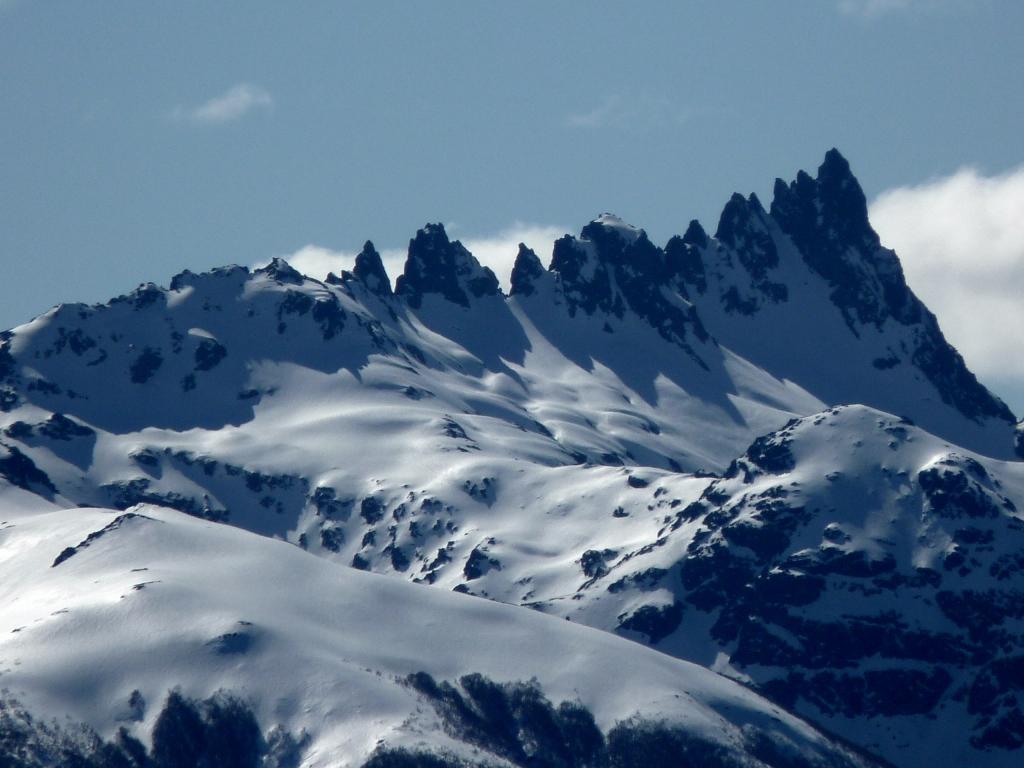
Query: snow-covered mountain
{"points": [[104, 610], [644, 440]]}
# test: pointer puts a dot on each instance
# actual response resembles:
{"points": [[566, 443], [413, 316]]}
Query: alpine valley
{"points": [[730, 501]]}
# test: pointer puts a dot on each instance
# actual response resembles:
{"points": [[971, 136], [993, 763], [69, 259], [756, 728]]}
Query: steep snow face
{"points": [[854, 567], [92, 627], [808, 293]]}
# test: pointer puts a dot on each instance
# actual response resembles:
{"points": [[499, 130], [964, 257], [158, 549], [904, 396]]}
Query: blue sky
{"points": [[138, 139]]}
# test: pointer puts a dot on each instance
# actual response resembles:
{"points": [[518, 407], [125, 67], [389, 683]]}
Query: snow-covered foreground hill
{"points": [[640, 439], [105, 613]]}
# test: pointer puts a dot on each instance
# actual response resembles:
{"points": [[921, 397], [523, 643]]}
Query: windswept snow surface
{"points": [[161, 600]]}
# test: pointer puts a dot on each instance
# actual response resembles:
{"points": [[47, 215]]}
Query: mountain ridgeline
{"points": [[753, 452], [805, 291]]}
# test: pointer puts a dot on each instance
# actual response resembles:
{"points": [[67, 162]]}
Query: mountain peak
{"points": [[695, 235], [441, 266], [369, 268], [610, 222], [834, 165], [826, 219], [525, 272], [280, 270], [740, 216], [829, 210], [613, 267]]}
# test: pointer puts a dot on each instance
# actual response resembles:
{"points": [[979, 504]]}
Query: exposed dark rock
{"points": [[145, 365], [329, 315], [526, 271], [595, 562], [399, 560], [436, 265], [329, 506], [360, 563], [644, 580], [95, 536], [744, 228], [827, 219], [478, 563], [8, 365], [281, 271], [771, 452], [19, 470], [485, 490], [369, 269], [516, 722], [656, 622], [953, 493], [605, 270], [371, 509], [453, 429], [127, 493], [76, 340], [239, 641], [60, 427], [332, 538], [208, 354], [875, 693]]}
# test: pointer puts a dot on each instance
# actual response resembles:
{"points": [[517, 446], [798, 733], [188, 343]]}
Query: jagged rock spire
{"points": [[369, 268], [827, 212], [695, 235], [612, 267], [737, 217], [826, 218], [744, 227], [526, 271], [438, 265], [686, 263]]}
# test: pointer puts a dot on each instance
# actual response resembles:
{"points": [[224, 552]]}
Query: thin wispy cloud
{"points": [[874, 9], [233, 104], [497, 251], [637, 111], [599, 115], [961, 241]]}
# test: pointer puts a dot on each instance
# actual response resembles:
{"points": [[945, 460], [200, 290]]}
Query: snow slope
{"points": [[94, 602], [855, 568]]}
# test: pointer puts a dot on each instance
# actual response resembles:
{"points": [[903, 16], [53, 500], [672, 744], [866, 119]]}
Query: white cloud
{"points": [[497, 251], [642, 110], [316, 261], [599, 115], [233, 104], [961, 241], [872, 8]]}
